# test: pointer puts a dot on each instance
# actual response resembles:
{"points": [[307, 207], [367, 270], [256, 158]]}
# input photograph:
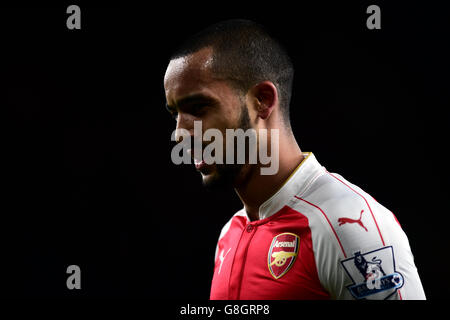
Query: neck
{"points": [[257, 188]]}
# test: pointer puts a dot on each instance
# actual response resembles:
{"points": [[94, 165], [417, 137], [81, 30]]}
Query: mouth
{"points": [[199, 165]]}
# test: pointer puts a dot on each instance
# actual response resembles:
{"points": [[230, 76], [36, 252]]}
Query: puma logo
{"points": [[348, 220], [222, 258]]}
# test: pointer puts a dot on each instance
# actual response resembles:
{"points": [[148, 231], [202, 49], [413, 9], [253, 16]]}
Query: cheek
{"points": [[220, 119], [233, 115], [230, 108]]}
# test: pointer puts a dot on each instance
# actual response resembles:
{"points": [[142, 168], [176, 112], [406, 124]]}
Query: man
{"points": [[303, 233]]}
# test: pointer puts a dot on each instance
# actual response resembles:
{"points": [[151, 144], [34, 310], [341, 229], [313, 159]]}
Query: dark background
{"points": [[87, 176]]}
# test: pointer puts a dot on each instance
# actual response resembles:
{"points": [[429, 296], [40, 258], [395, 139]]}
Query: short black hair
{"points": [[246, 54]]}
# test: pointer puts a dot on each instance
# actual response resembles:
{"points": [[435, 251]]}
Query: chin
{"points": [[211, 179], [222, 177], [216, 181]]}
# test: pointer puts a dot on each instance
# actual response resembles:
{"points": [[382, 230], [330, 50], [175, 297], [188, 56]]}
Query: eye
{"points": [[172, 111], [198, 109]]}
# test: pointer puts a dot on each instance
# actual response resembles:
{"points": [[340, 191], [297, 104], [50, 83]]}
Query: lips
{"points": [[199, 164]]}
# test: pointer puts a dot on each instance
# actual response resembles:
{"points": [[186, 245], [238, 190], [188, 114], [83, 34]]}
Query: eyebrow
{"points": [[192, 99]]}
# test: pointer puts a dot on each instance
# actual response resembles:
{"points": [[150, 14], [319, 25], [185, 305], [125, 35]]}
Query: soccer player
{"points": [[303, 232]]}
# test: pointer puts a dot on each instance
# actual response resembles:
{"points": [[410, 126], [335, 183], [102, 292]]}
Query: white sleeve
{"points": [[365, 254]]}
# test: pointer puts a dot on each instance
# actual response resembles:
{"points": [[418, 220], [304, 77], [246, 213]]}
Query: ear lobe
{"points": [[264, 113]]}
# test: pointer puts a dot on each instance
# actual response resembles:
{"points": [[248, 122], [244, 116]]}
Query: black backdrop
{"points": [[87, 174]]}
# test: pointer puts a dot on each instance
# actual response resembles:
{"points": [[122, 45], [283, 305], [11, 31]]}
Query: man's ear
{"points": [[266, 97]]}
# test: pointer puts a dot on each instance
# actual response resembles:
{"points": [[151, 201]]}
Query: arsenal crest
{"points": [[282, 253]]}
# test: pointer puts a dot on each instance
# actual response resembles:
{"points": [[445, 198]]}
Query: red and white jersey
{"points": [[318, 237]]}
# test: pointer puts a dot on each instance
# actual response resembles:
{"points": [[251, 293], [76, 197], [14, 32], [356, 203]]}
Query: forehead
{"points": [[192, 65], [191, 74]]}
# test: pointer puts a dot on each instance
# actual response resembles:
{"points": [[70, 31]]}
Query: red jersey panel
{"points": [[246, 265], [318, 237]]}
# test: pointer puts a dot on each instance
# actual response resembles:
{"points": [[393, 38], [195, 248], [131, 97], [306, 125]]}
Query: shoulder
{"points": [[338, 209], [345, 221]]}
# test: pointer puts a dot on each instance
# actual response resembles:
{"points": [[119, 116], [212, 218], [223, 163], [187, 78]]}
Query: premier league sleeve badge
{"points": [[373, 274]]}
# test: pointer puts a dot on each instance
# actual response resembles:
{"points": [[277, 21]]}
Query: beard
{"points": [[225, 175]]}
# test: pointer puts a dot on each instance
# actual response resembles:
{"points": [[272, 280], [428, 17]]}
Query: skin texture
{"points": [[194, 92]]}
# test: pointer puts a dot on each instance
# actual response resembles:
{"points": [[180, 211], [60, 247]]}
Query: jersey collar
{"points": [[300, 179]]}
